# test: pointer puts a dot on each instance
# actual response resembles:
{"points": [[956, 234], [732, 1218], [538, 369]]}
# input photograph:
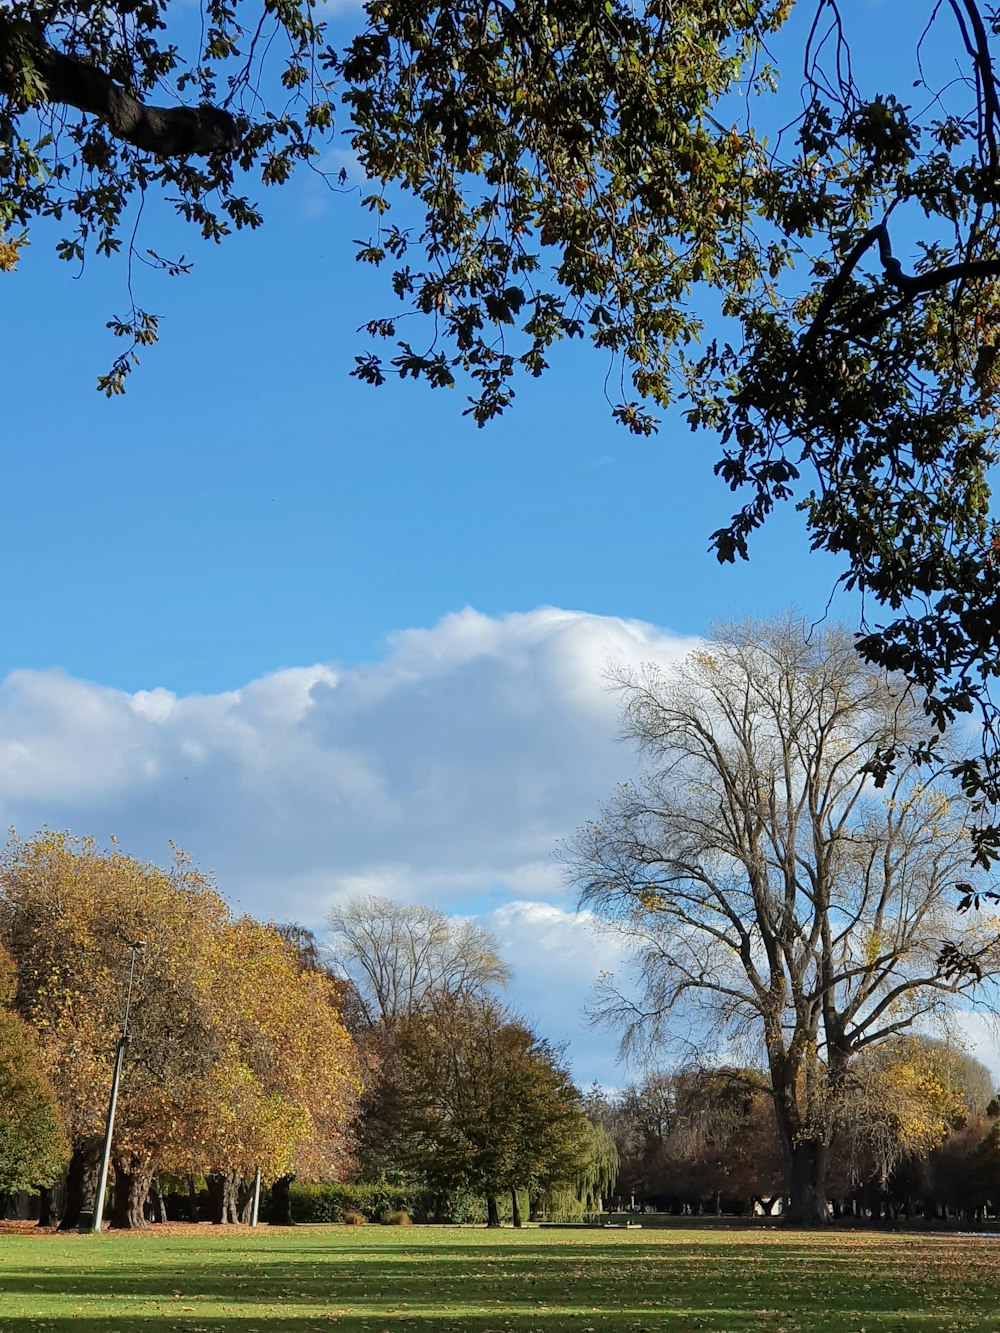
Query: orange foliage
{"points": [[237, 1060]]}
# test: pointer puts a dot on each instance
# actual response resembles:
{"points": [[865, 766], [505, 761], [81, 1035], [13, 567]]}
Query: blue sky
{"points": [[297, 624], [249, 506]]}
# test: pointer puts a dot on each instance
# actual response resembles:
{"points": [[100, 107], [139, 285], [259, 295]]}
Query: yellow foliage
{"points": [[913, 1088], [238, 1057]]}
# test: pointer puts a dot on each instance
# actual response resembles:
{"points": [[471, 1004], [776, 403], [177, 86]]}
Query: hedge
{"points": [[329, 1202]]}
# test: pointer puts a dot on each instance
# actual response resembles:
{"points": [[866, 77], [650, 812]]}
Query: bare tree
{"points": [[400, 957], [768, 886]]}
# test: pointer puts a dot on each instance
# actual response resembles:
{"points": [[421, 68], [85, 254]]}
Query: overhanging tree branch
{"points": [[27, 59]]}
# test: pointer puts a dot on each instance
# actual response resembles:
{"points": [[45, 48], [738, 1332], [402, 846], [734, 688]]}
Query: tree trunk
{"points": [[81, 1183], [515, 1208], [129, 1198], [807, 1164], [806, 1153], [157, 1204], [281, 1202], [192, 1200], [222, 1192], [46, 1207], [244, 1201], [492, 1211]]}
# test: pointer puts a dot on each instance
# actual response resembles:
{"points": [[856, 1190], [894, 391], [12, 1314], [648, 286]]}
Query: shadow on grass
{"points": [[682, 1286], [295, 1283]]}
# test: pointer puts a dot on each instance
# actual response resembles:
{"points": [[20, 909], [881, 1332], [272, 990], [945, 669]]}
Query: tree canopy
{"points": [[401, 958], [487, 1105], [84, 139], [237, 1059], [33, 1143], [627, 174]]}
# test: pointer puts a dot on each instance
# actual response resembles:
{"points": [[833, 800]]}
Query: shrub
{"points": [[329, 1202], [353, 1219], [399, 1218]]}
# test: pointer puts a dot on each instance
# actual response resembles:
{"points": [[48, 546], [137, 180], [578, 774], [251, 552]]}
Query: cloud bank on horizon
{"points": [[446, 772]]}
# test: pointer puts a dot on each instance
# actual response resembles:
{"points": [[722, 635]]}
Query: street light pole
{"points": [[102, 1180]]}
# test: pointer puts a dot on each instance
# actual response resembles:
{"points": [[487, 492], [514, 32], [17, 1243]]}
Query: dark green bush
{"points": [[329, 1202]]}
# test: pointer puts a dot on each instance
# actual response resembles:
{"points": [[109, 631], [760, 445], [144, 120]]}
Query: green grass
{"points": [[442, 1280]]}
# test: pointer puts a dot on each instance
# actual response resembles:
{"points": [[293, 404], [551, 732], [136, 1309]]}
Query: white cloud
{"points": [[446, 772], [977, 1032], [555, 957]]}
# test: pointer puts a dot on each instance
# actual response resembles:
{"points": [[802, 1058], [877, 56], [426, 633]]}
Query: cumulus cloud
{"points": [[556, 955], [447, 771]]}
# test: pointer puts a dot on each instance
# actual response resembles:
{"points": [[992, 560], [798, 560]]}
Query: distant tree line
{"points": [[389, 1060], [918, 1136]]}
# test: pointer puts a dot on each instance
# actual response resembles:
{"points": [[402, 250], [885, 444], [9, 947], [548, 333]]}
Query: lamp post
{"points": [[102, 1180]]}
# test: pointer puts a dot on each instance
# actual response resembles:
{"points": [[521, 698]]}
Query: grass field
{"points": [[442, 1280]]}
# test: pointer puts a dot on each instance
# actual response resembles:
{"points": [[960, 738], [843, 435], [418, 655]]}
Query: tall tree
{"points": [[486, 1105], [766, 886], [33, 1144], [289, 1078], [403, 957], [67, 914], [237, 1059], [397, 960]]}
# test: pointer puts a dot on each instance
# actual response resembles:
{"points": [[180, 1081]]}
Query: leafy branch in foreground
{"points": [[103, 105], [598, 170]]}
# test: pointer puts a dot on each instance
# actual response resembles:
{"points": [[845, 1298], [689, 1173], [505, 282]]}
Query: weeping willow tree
{"points": [[594, 1181]]}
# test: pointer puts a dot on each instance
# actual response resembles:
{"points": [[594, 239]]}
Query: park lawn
{"points": [[452, 1280]]}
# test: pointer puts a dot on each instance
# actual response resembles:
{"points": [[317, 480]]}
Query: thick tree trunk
{"points": [[281, 1202], [492, 1211], [129, 1197], [222, 1192], [46, 1207], [806, 1151], [807, 1166], [515, 1208], [81, 1183]]}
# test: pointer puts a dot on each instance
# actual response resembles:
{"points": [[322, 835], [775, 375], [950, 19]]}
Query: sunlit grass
{"points": [[380, 1280]]}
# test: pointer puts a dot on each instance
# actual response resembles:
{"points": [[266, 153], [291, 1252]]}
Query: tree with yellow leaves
{"points": [[33, 1146], [237, 1059], [287, 1078]]}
